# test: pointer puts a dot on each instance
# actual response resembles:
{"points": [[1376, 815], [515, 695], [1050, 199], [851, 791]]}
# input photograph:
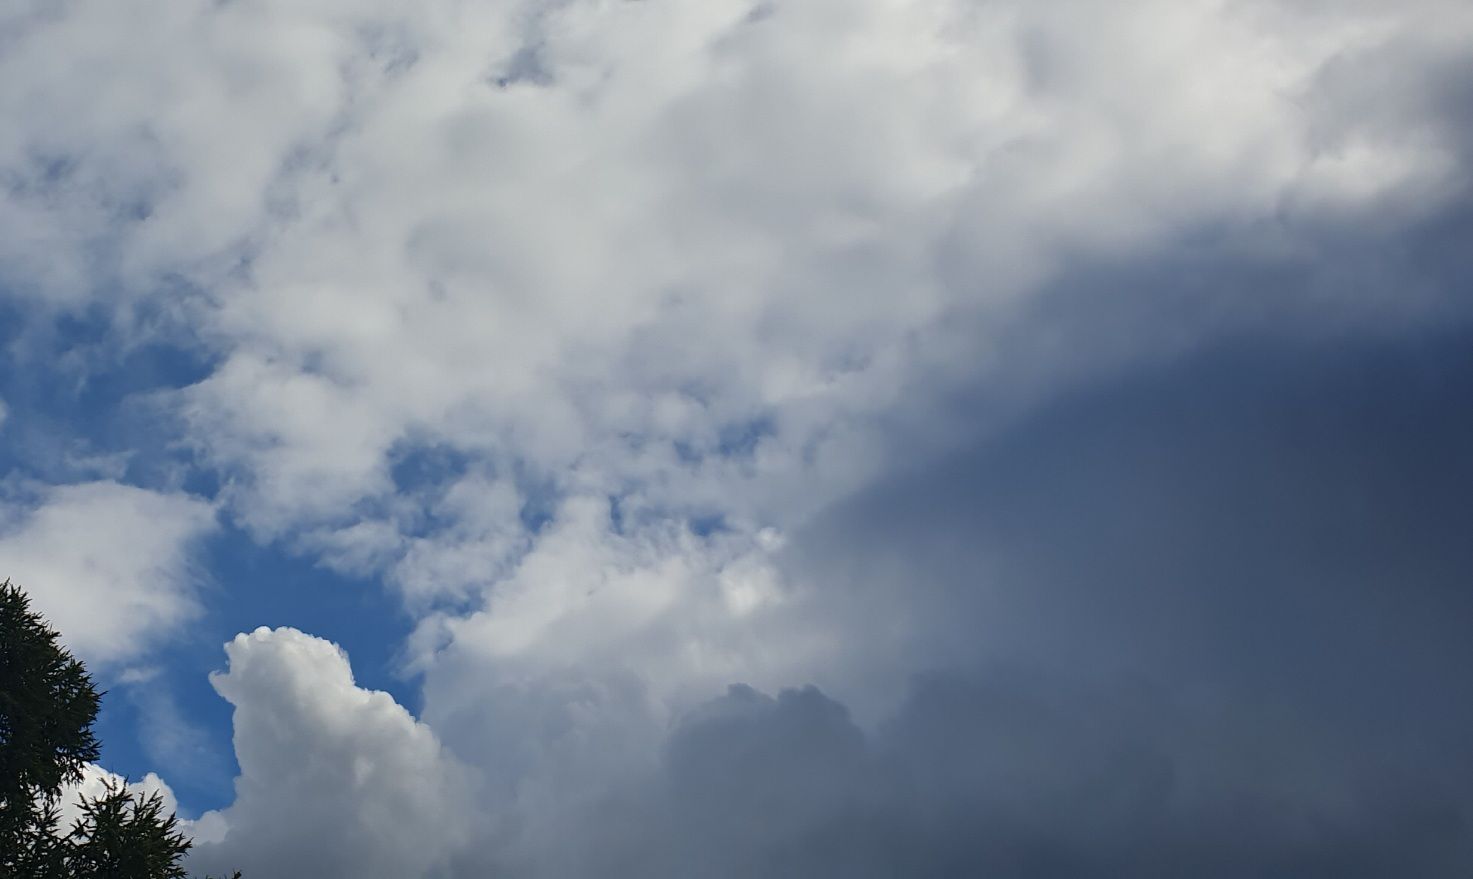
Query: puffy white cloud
{"points": [[109, 564], [95, 782], [334, 780]]}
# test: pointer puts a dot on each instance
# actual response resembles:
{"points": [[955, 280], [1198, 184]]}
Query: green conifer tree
{"points": [[48, 704]]}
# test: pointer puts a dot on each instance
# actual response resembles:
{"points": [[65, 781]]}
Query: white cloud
{"points": [[335, 780], [108, 564], [94, 784], [666, 255], [669, 223]]}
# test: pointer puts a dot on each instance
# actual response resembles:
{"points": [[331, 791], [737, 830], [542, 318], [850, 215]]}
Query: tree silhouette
{"points": [[48, 704]]}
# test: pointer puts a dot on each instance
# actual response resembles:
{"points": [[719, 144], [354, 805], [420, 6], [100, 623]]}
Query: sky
{"points": [[559, 438]]}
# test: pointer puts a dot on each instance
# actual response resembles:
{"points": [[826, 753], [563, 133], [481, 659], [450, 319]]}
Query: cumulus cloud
{"points": [[109, 564], [988, 770], [334, 780]]}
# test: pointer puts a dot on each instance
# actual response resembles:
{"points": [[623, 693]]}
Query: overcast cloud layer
{"points": [[822, 438]]}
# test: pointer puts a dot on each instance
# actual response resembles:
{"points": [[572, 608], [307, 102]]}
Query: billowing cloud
{"points": [[110, 565], [334, 780]]}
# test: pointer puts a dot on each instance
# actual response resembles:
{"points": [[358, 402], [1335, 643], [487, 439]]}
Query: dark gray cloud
{"points": [[1021, 775], [1204, 621]]}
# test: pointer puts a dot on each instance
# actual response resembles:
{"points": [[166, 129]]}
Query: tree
{"points": [[120, 834], [48, 704]]}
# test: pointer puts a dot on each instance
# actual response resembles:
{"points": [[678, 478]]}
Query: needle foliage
{"points": [[48, 703]]}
